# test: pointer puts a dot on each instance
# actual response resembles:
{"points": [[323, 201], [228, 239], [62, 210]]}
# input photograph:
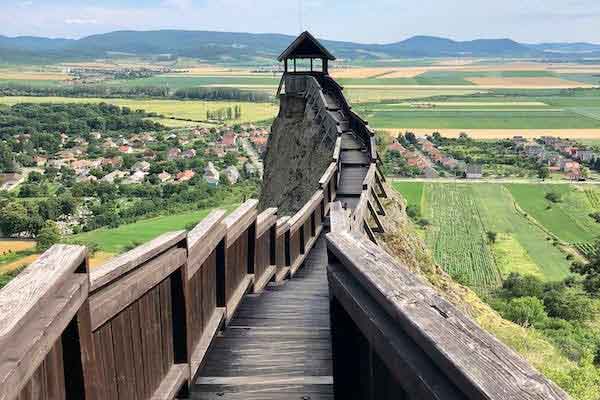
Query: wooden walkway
{"points": [[354, 168], [278, 344]]}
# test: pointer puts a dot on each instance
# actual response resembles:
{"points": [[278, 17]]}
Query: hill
{"points": [[248, 47]]}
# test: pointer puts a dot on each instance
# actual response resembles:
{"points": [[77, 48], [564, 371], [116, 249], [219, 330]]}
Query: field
{"points": [[357, 94], [16, 253], [8, 75], [188, 109], [540, 82], [493, 114], [473, 94], [176, 123], [461, 215], [587, 136], [478, 116], [7, 246], [454, 214], [115, 241], [413, 194], [568, 219], [109, 242]]}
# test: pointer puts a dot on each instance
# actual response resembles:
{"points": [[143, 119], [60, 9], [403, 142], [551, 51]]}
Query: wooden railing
{"points": [[356, 123], [45, 329], [139, 326], [394, 336]]}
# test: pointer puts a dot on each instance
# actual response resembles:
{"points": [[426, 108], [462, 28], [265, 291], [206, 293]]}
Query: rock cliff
{"points": [[297, 156]]}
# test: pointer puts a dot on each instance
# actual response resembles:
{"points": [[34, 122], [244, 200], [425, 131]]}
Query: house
{"points": [[554, 161], [574, 176], [125, 149], [216, 150], [173, 154], [185, 176], [57, 163], [140, 140], [250, 169], [232, 175], [534, 150], [66, 155], [40, 161], [550, 140], [191, 153], [141, 166], [518, 142], [149, 154], [474, 171], [87, 178], [200, 132], [395, 147], [584, 155], [80, 141], [109, 144], [114, 162], [211, 175], [260, 142], [436, 155], [82, 167], [113, 176], [567, 149], [136, 177], [165, 177], [430, 173], [229, 140], [569, 166], [449, 163]]}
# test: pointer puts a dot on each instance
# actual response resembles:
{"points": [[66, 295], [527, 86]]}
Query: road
{"points": [[254, 157]]}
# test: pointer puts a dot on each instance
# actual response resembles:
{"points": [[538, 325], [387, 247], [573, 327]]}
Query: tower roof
{"points": [[306, 46]]}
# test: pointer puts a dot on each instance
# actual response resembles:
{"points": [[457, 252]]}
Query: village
{"points": [[139, 157], [96, 179], [544, 157]]}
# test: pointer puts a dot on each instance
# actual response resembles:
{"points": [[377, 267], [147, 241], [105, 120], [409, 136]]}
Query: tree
{"points": [[13, 219], [525, 311], [590, 272], [570, 304], [35, 177], [67, 204], [585, 172], [412, 211], [491, 236], [423, 222], [554, 197], [543, 173], [7, 160], [463, 137], [48, 236], [230, 158], [517, 285]]}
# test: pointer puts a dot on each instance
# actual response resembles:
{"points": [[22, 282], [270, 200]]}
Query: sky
{"points": [[365, 21]]}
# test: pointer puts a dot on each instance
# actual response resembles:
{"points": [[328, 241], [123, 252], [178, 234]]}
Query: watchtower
{"points": [[305, 47]]}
